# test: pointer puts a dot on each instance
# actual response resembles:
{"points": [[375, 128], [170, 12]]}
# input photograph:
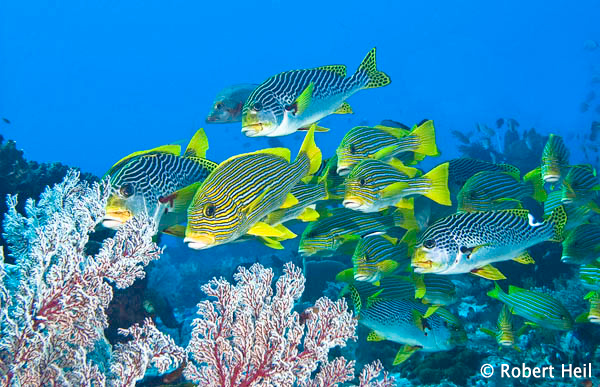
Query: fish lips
{"points": [[199, 242], [114, 220], [342, 170], [352, 204]]}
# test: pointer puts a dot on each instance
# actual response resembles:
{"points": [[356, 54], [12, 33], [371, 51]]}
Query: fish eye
{"points": [[362, 182], [429, 244], [209, 210], [464, 249], [257, 106], [219, 105], [126, 190], [352, 149]]}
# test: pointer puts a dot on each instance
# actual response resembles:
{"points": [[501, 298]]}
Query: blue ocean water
{"points": [[86, 83]]}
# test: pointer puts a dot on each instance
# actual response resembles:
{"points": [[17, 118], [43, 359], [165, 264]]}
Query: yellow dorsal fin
{"points": [[399, 165], [431, 310], [396, 132], [290, 200], [168, 149], [310, 149], [337, 69], [198, 145], [344, 109], [309, 214]]}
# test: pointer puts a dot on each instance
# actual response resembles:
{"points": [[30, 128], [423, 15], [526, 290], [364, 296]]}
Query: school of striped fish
{"points": [[400, 230]]}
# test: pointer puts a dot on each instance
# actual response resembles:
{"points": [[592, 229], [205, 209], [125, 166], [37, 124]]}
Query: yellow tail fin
{"points": [[438, 191], [376, 78], [311, 150], [426, 135], [534, 178]]}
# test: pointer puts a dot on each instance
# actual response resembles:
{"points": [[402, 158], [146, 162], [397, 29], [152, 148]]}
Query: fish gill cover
{"points": [[435, 217]]}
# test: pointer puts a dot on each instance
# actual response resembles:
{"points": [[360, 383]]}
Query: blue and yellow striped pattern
{"points": [[327, 234], [555, 159], [536, 307]]}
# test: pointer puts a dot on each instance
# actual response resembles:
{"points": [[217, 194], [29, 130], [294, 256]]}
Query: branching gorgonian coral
{"points": [[53, 298], [249, 335]]}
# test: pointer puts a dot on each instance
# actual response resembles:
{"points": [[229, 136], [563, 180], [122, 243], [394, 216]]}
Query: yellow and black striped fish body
{"points": [[304, 210], [293, 100], [461, 169], [139, 183], [402, 321], [362, 142], [590, 276], [373, 185], [439, 290], [325, 236], [582, 244], [580, 185], [577, 214], [555, 159], [466, 241], [243, 190], [495, 190], [537, 307], [505, 335], [376, 256]]}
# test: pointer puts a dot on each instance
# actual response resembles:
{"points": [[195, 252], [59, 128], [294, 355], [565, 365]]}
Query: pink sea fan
{"points": [[248, 334]]}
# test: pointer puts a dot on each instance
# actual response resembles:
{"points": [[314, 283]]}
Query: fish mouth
{"points": [[199, 242], [343, 171], [114, 220], [352, 204], [304, 252], [551, 178], [253, 130], [421, 263], [361, 277], [567, 259]]}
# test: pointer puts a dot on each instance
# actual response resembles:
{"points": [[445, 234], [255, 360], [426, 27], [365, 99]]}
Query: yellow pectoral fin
{"points": [[272, 243], [489, 272], [263, 229], [387, 266], [345, 275], [304, 99], [176, 231], [393, 190], [431, 310], [180, 200], [308, 215], [290, 200], [287, 234]]}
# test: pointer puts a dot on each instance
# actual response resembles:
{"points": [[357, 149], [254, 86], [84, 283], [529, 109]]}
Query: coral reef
{"points": [[52, 300], [26, 178], [250, 335]]}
